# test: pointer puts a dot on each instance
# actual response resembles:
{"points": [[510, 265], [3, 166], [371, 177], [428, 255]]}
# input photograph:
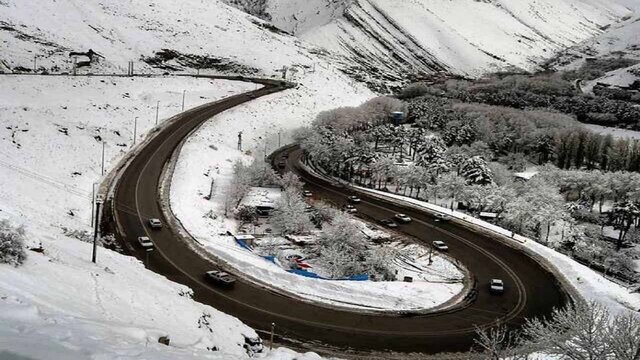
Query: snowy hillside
{"points": [[51, 154], [461, 36]]}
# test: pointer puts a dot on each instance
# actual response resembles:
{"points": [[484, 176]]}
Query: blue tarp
{"points": [[244, 245], [309, 274], [270, 258]]}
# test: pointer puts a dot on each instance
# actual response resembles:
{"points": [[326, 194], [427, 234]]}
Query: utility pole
{"points": [[102, 171], [157, 111], [147, 252], [135, 129], [265, 146], [273, 328], [213, 182], [35, 66], [96, 225], [93, 202], [279, 132], [240, 141], [184, 92], [75, 59]]}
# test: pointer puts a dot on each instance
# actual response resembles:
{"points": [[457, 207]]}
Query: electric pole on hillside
{"points": [[96, 226], [240, 140], [157, 111], [102, 168], [213, 183], [184, 92], [273, 329], [135, 130]]}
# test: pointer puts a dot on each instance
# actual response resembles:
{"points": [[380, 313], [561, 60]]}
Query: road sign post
{"points": [[96, 226]]}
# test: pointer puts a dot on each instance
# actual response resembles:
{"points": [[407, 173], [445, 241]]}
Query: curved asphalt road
{"points": [[531, 291]]}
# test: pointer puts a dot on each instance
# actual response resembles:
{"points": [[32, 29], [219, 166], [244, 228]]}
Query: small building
{"points": [[263, 199], [488, 215], [525, 176], [244, 240]]}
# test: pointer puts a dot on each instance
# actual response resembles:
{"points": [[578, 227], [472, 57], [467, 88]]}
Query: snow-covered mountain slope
{"points": [[461, 36], [619, 40]]}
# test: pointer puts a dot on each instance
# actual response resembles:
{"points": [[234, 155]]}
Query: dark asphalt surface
{"points": [[531, 291]]}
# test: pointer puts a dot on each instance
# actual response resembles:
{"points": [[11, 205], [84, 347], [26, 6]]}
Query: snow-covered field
{"points": [[60, 301]]}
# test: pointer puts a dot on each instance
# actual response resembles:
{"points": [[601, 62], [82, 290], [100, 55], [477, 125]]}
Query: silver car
{"points": [[155, 223], [145, 242]]}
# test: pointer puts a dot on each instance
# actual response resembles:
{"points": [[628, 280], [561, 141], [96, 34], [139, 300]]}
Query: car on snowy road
{"points": [[441, 217], [350, 209], [388, 223], [354, 199], [220, 278], [440, 245], [496, 286], [145, 242], [307, 193], [403, 218], [155, 223]]}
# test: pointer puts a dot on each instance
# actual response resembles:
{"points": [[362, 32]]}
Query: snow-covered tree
{"points": [[289, 215], [378, 263], [586, 332], [11, 244], [342, 247], [450, 185], [476, 171], [289, 180]]}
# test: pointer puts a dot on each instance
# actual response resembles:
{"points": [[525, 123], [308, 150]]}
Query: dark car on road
{"points": [[388, 223], [220, 278], [496, 286], [440, 245], [354, 200], [441, 217]]}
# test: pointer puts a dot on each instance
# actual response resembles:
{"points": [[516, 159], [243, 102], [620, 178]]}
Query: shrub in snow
{"points": [[11, 244]]}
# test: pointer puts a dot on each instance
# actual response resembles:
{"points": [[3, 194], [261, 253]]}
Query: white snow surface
{"points": [[590, 284], [263, 119], [464, 36], [59, 305]]}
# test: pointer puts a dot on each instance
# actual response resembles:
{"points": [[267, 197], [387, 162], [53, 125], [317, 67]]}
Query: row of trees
{"points": [[540, 136]]}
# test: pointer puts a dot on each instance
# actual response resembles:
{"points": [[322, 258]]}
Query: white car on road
{"points": [[440, 245], [155, 223], [403, 218], [145, 242]]}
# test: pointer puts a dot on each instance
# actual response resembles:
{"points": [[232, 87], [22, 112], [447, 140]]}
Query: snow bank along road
{"points": [[531, 291]]}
